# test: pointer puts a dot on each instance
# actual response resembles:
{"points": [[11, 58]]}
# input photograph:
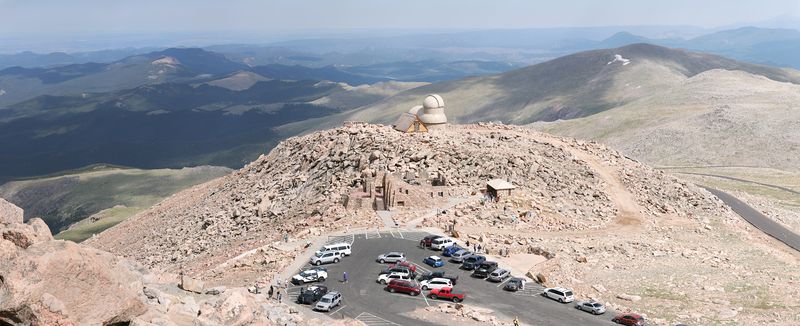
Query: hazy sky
{"points": [[19, 17]]}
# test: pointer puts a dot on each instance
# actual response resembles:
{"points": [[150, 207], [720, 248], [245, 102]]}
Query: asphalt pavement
{"points": [[759, 220], [368, 301]]}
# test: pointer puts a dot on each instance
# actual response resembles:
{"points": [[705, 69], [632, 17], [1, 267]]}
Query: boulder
{"points": [[191, 284], [25, 235], [63, 283], [10, 213], [216, 290], [629, 297]]}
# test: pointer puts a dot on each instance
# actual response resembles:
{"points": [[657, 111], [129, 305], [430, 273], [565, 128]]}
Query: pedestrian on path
{"points": [[344, 277], [516, 321], [270, 292], [280, 296]]}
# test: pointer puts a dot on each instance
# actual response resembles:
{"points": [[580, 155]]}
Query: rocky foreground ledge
{"points": [[54, 282]]}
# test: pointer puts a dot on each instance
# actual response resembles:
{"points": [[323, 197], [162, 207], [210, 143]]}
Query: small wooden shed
{"points": [[496, 186], [409, 123]]}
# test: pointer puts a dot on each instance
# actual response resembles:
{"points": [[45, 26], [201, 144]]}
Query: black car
{"points": [[484, 269], [439, 274], [514, 284], [399, 269], [312, 294], [472, 261]]}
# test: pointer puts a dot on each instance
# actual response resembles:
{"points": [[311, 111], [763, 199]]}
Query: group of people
{"points": [[276, 290], [476, 247]]}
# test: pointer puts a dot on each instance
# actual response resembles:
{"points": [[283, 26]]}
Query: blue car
{"points": [[434, 261], [449, 251]]}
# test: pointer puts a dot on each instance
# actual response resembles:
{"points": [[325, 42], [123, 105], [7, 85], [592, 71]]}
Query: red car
{"points": [[447, 293], [426, 241], [629, 319], [404, 287], [411, 267]]}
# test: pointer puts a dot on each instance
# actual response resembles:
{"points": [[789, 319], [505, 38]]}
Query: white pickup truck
{"points": [[310, 275]]}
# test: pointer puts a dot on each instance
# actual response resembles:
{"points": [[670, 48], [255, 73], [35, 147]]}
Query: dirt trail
{"points": [[629, 211], [629, 216]]}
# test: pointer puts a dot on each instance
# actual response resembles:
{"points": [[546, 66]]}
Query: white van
{"points": [[343, 249], [441, 243]]}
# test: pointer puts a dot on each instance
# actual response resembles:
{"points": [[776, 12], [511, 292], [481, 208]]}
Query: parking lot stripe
{"points": [[337, 310], [504, 282], [401, 234], [420, 267], [392, 233], [372, 320]]}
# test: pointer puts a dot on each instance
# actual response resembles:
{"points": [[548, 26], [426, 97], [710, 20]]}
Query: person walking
{"points": [[344, 277], [280, 296], [270, 292], [516, 321]]}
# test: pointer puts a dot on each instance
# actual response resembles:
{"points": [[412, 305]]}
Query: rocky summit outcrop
{"points": [[58, 283], [297, 191], [47, 282]]}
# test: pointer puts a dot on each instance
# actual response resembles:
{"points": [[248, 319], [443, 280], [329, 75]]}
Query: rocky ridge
{"points": [[55, 282], [296, 191]]}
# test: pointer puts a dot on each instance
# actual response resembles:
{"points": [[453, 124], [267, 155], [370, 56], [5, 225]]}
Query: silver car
{"points": [[325, 258], [391, 257], [459, 256], [591, 306], [498, 275], [328, 301]]}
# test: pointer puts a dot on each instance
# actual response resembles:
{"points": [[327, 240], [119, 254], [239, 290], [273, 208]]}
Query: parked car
{"points": [[397, 269], [391, 257], [386, 278], [310, 275], [559, 294], [325, 258], [405, 263], [435, 283], [594, 307], [441, 243], [515, 284], [459, 256], [426, 241], [472, 261], [498, 275], [343, 249], [629, 319], [403, 286], [434, 261], [328, 301], [312, 294], [484, 269], [439, 274], [447, 293], [449, 251]]}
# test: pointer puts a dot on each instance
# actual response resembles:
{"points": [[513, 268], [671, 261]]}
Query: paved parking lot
{"points": [[368, 302]]}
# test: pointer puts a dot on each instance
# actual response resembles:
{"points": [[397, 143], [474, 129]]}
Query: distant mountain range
{"points": [[637, 97], [777, 47]]}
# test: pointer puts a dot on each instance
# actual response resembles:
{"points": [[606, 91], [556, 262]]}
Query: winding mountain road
{"points": [[759, 220]]}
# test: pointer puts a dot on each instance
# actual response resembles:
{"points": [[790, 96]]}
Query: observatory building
{"points": [[421, 118], [432, 114]]}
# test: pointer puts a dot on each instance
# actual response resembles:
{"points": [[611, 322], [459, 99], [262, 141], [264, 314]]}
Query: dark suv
{"points": [[403, 287], [472, 261], [439, 274], [312, 294], [398, 269], [484, 269]]}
